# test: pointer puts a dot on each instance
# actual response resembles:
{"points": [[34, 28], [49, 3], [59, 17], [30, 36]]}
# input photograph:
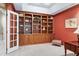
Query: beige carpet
{"points": [[40, 50]]}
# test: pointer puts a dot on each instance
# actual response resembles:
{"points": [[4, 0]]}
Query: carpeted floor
{"points": [[40, 50]]}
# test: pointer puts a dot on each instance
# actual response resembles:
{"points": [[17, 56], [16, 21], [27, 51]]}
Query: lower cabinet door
{"points": [[21, 40], [35, 38], [24, 40], [47, 38], [31, 39]]}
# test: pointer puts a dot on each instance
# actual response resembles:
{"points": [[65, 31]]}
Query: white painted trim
{"points": [[12, 49], [18, 30]]}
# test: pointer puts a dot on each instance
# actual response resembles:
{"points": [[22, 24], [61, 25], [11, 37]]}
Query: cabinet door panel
{"points": [[26, 39], [30, 39], [23, 39], [47, 38], [43, 38], [50, 37]]}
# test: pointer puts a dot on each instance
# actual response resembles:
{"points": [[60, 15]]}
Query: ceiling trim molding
{"points": [[63, 9]]}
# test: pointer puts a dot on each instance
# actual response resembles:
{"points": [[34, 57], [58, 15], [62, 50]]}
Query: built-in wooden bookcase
{"points": [[21, 23], [44, 24], [35, 28], [28, 24], [36, 24], [50, 24], [25, 23]]}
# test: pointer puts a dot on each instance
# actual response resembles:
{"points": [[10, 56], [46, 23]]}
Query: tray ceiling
{"points": [[45, 5], [50, 8]]}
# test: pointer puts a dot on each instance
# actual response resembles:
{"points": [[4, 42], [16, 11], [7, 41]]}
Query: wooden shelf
{"points": [[21, 15], [28, 17]]}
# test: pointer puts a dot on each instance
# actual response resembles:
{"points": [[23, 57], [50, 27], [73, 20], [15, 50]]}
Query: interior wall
{"points": [[2, 29], [2, 13], [1, 23], [2, 7], [62, 33], [59, 7], [10, 6]]}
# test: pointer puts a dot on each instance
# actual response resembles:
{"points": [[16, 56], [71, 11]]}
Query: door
{"points": [[12, 31]]}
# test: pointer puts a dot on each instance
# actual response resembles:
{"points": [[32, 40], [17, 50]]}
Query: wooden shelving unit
{"points": [[36, 24], [50, 24], [44, 24], [39, 26], [28, 24], [21, 23]]}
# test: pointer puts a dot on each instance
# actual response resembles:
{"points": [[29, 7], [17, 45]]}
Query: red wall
{"points": [[10, 6], [60, 31]]}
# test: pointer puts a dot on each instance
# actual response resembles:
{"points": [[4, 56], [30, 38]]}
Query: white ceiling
{"points": [[48, 8], [44, 5]]}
